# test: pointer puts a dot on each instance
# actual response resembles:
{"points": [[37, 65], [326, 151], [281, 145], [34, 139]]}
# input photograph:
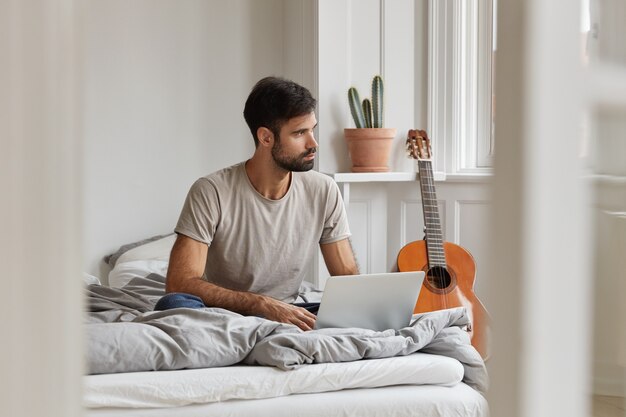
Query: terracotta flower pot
{"points": [[369, 148]]}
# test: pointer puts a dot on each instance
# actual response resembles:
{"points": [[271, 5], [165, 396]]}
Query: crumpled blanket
{"points": [[125, 335]]}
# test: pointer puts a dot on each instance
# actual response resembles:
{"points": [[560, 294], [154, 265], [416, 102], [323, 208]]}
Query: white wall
{"points": [[165, 83]]}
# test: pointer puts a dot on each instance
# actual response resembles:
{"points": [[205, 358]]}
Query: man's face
{"points": [[296, 147]]}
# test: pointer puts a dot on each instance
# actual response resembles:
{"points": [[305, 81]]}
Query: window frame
{"points": [[460, 47]]}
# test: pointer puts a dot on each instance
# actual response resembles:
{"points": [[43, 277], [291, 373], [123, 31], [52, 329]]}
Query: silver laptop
{"points": [[370, 301]]}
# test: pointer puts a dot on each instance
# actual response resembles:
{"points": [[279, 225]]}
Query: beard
{"points": [[292, 163]]}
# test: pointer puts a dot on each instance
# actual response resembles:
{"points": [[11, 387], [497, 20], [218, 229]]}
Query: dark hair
{"points": [[273, 101]]}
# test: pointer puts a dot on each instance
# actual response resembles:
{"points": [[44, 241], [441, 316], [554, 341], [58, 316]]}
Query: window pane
{"points": [[485, 151]]}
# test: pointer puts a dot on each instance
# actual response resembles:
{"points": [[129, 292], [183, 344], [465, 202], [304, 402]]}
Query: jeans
{"points": [[178, 300], [182, 300]]}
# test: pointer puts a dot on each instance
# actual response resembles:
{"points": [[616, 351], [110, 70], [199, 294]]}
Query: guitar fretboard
{"points": [[434, 235]]}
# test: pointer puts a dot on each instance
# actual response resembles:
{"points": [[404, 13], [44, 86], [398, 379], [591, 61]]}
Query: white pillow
{"points": [[90, 279], [141, 261], [123, 272], [158, 249]]}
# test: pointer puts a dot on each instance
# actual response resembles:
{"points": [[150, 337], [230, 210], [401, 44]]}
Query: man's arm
{"points": [[184, 274], [339, 258]]}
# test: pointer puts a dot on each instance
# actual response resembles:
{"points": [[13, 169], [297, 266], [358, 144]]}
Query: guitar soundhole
{"points": [[439, 277]]}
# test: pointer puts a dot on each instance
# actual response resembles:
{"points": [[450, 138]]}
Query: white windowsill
{"points": [[352, 177], [341, 177], [344, 179]]}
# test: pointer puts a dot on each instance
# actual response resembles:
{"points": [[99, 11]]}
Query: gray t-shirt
{"points": [[257, 244]]}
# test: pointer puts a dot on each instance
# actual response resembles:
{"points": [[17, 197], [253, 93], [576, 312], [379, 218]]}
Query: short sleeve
{"points": [[336, 226], [201, 212]]}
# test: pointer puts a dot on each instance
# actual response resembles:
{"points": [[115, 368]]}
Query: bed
{"points": [[211, 362]]}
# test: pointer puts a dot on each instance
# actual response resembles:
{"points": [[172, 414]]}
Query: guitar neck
{"points": [[434, 235]]}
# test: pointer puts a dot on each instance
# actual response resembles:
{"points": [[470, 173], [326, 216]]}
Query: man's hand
{"points": [[273, 309]]}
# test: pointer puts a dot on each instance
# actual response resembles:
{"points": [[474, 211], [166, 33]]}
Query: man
{"points": [[247, 233]]}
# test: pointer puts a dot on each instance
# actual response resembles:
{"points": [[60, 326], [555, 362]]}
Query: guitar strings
{"points": [[439, 270]]}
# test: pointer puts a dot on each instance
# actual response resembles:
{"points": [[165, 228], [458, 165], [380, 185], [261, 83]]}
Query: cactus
{"points": [[355, 107], [377, 101], [369, 113]]}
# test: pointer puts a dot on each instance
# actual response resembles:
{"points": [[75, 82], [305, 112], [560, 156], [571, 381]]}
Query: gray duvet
{"points": [[125, 335]]}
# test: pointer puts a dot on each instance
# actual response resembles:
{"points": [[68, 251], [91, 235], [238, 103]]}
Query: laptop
{"points": [[370, 301]]}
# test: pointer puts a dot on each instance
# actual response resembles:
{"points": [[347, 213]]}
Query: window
{"points": [[461, 104]]}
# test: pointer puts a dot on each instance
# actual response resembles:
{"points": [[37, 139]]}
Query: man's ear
{"points": [[265, 136]]}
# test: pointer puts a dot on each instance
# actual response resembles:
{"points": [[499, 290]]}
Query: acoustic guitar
{"points": [[450, 269]]}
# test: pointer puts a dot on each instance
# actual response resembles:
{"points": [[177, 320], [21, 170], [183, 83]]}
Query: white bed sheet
{"points": [[184, 387], [397, 401]]}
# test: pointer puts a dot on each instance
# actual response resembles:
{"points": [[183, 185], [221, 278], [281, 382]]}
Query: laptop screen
{"points": [[371, 301]]}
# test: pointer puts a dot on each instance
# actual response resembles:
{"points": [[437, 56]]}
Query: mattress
{"points": [[397, 401], [210, 385], [414, 385]]}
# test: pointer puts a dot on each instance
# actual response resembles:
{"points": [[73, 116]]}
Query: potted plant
{"points": [[369, 144]]}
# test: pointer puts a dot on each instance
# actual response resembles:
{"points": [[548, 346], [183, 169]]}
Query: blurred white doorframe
{"points": [[539, 300], [40, 215]]}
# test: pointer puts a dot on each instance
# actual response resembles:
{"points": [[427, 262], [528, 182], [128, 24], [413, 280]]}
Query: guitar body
{"points": [[449, 287]]}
